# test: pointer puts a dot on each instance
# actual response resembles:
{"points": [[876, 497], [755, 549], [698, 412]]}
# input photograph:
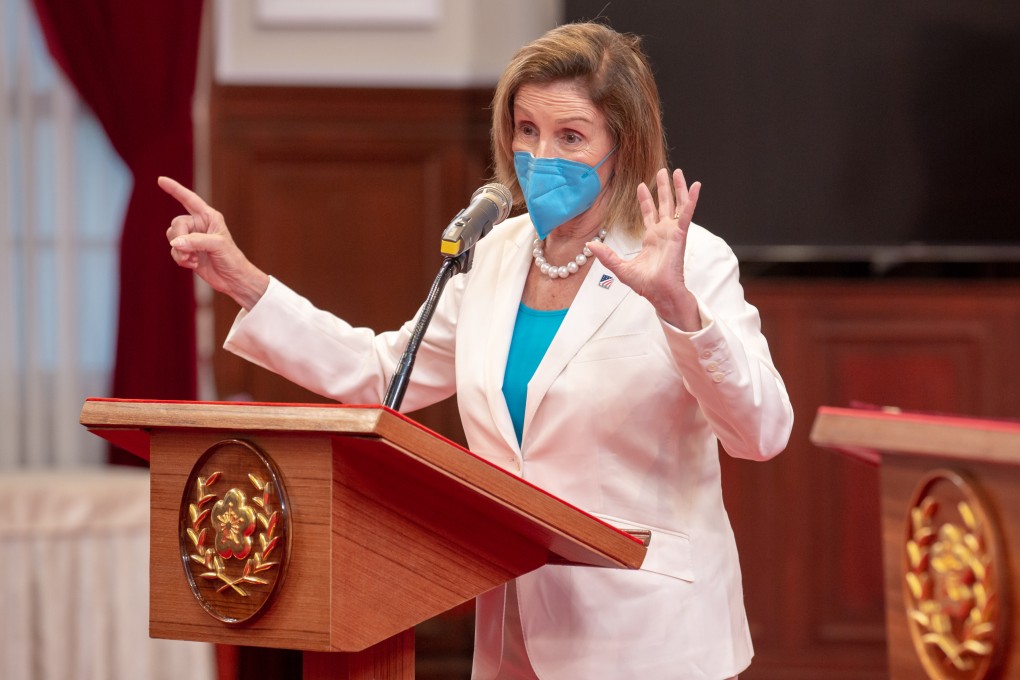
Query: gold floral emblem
{"points": [[232, 537], [953, 580], [234, 521]]}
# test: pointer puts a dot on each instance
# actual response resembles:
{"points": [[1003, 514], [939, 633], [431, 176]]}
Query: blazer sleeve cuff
{"points": [[702, 350], [267, 310]]}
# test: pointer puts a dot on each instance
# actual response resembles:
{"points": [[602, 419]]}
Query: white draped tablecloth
{"points": [[74, 580]]}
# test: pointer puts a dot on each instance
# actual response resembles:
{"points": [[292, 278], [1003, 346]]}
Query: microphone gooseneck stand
{"points": [[402, 374]]}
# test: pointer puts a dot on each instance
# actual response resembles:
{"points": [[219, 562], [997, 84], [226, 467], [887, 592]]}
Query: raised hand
{"points": [[201, 241], [657, 272]]}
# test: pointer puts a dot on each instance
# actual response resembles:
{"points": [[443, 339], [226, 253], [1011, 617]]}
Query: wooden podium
{"points": [[331, 529], [950, 495]]}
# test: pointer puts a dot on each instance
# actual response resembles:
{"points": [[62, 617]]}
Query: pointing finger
{"points": [[191, 201]]}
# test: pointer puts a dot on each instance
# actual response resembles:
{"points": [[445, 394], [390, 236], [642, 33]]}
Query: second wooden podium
{"points": [[950, 507], [331, 529]]}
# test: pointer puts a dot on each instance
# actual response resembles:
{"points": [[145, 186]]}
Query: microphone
{"points": [[489, 206]]}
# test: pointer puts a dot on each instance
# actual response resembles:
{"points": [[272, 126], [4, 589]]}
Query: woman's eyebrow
{"points": [[521, 111]]}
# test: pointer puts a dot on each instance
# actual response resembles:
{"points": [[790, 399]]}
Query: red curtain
{"points": [[133, 62]]}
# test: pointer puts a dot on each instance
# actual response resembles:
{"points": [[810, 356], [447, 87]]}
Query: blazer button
{"points": [[706, 354], [718, 377], [711, 367]]}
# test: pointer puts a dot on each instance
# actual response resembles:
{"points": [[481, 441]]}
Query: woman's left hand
{"points": [[657, 272]]}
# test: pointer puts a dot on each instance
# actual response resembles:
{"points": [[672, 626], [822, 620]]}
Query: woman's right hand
{"points": [[201, 241]]}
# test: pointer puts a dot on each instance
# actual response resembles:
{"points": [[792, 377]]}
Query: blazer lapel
{"points": [[599, 295], [508, 287]]}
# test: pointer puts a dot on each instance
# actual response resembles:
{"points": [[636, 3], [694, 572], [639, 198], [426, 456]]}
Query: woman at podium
{"points": [[600, 347]]}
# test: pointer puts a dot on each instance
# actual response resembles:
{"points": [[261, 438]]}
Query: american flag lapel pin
{"points": [[606, 281]]}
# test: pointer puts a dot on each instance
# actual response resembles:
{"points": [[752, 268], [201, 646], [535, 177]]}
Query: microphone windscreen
{"points": [[498, 194]]}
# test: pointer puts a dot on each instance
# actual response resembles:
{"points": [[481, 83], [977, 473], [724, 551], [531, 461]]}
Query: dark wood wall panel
{"points": [[808, 523], [343, 194]]}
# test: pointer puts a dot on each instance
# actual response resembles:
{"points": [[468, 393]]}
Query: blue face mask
{"points": [[556, 189]]}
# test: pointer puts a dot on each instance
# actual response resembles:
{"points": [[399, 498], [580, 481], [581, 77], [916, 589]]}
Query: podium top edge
{"points": [[100, 413], [890, 432], [893, 414]]}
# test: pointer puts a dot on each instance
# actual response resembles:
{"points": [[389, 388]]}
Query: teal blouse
{"points": [[533, 332]]}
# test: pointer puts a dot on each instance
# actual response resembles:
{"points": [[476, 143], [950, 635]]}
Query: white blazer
{"points": [[622, 420]]}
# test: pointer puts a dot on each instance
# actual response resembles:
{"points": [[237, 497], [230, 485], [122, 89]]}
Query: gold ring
{"points": [[676, 213]]}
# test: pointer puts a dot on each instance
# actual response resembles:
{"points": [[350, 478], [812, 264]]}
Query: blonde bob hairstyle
{"points": [[614, 72]]}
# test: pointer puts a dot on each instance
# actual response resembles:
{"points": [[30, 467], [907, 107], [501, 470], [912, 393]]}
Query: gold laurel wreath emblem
{"points": [[950, 586], [199, 513]]}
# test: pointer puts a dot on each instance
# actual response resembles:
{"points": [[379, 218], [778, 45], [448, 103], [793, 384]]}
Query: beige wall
{"points": [[467, 44]]}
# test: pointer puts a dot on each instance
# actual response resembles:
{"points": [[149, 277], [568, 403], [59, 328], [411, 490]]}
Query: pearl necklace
{"points": [[562, 272]]}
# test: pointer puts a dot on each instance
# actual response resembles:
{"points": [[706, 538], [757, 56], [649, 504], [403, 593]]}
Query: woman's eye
{"points": [[525, 130], [571, 138]]}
